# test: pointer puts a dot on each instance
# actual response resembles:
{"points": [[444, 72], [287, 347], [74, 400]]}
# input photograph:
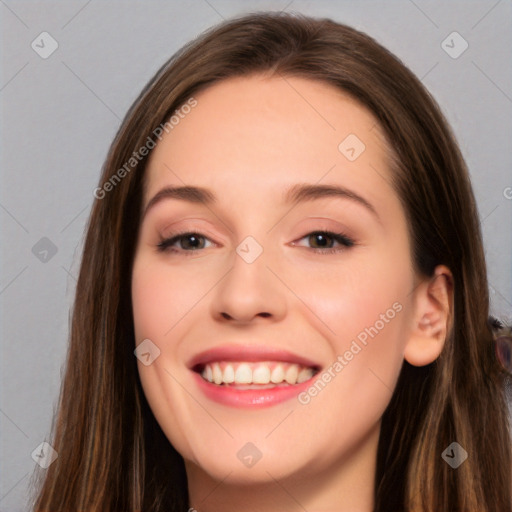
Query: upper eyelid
{"points": [[176, 236]]}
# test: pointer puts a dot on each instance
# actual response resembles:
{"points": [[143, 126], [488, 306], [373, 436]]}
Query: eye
{"points": [[323, 241], [187, 242]]}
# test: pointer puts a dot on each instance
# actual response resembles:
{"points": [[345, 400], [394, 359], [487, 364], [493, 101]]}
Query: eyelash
{"points": [[347, 242]]}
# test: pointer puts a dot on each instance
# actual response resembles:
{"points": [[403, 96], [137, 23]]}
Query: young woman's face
{"points": [[292, 276]]}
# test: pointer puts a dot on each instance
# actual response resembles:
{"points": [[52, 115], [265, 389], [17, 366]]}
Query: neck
{"points": [[344, 485]]}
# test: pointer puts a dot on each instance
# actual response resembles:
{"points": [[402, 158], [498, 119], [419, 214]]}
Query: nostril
{"points": [[227, 316]]}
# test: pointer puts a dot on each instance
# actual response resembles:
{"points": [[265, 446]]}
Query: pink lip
{"points": [[248, 398], [249, 353]]}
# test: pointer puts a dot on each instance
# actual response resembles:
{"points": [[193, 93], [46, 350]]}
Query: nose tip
{"points": [[248, 293]]}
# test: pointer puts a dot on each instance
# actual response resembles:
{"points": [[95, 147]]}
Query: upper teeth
{"points": [[265, 372]]}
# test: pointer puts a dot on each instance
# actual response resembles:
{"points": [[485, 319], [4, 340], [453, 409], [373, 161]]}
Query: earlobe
{"points": [[432, 318]]}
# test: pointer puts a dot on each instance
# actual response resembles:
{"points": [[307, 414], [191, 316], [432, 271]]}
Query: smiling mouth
{"points": [[255, 375]]}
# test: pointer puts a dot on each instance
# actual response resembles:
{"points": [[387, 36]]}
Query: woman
{"points": [[286, 235]]}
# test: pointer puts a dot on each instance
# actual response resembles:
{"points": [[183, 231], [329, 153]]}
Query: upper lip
{"points": [[249, 353]]}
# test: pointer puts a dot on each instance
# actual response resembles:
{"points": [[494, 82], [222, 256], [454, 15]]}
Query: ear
{"points": [[432, 318]]}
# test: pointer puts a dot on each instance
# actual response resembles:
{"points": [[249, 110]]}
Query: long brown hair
{"points": [[112, 454]]}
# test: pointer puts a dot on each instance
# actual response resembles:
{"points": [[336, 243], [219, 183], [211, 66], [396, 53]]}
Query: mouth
{"points": [[254, 375], [251, 376]]}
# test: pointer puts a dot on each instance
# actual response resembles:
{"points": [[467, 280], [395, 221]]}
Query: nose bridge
{"points": [[249, 289]]}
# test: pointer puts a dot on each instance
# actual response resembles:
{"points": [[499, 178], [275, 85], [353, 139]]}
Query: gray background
{"points": [[60, 114]]}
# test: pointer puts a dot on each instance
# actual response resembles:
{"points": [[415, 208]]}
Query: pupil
{"points": [[320, 239], [194, 241]]}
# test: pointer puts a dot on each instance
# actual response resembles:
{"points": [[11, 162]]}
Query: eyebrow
{"points": [[307, 192], [197, 195], [299, 193]]}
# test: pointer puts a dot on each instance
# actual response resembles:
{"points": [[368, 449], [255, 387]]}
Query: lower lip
{"points": [[251, 398]]}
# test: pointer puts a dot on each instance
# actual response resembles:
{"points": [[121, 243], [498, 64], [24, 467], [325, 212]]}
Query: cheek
{"points": [[149, 300], [367, 320], [350, 298], [161, 297], [363, 310]]}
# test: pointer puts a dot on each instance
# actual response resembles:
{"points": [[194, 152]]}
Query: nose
{"points": [[249, 291]]}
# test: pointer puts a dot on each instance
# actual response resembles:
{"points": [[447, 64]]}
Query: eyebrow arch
{"points": [[298, 193], [188, 193], [307, 192]]}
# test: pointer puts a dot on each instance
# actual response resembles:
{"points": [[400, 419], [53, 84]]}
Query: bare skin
{"points": [[248, 141]]}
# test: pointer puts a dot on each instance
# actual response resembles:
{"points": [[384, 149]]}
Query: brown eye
{"points": [[320, 241], [186, 242], [191, 241], [324, 241]]}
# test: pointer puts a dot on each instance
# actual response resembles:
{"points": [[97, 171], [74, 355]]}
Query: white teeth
{"points": [[243, 374], [262, 373], [229, 374], [304, 375], [217, 373], [277, 374], [291, 374]]}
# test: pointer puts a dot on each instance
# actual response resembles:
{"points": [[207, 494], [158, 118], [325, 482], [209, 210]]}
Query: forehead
{"points": [[262, 134]]}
